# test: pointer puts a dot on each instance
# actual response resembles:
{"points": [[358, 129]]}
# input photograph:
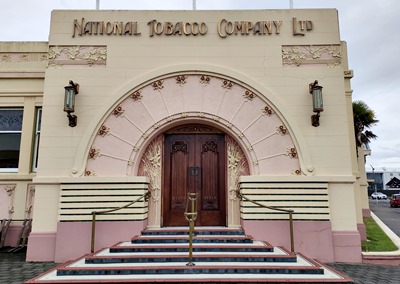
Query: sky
{"points": [[370, 28]]}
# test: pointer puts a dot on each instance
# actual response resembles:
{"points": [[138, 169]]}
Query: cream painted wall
{"points": [[131, 62], [22, 67], [257, 59]]}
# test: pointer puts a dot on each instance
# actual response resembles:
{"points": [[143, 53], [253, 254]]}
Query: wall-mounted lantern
{"points": [[318, 106], [69, 102]]}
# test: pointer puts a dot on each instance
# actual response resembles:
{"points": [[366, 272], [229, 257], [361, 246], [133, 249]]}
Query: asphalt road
{"points": [[390, 216]]}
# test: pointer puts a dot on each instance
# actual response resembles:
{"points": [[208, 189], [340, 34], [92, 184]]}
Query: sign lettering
{"points": [[225, 28]]}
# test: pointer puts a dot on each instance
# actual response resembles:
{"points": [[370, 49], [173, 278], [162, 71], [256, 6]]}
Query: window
{"points": [[10, 138], [37, 138]]}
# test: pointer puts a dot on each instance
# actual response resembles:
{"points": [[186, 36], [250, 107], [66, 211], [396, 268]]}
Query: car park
{"points": [[395, 200], [378, 195]]}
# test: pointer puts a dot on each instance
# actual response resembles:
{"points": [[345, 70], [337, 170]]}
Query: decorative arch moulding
{"points": [[165, 103]]}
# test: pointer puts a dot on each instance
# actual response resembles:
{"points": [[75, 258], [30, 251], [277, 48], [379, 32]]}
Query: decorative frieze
{"points": [[77, 55], [298, 55], [194, 128], [16, 57]]}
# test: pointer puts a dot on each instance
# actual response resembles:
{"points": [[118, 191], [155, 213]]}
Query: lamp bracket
{"points": [[72, 119], [75, 86], [311, 86], [315, 119]]}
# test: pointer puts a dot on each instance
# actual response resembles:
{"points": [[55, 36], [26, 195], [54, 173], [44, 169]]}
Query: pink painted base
{"points": [[73, 239], [363, 231], [12, 236], [366, 212], [312, 238], [382, 260], [347, 246], [41, 246]]}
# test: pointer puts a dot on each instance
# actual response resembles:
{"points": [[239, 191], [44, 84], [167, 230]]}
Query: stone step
{"points": [[220, 255], [174, 268], [198, 231], [197, 247], [304, 271], [196, 239], [279, 255]]}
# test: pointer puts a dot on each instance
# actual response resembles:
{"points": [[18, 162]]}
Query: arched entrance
{"points": [[130, 139], [194, 162]]}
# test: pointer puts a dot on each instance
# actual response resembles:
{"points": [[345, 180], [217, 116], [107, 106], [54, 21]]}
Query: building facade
{"points": [[382, 180], [171, 102]]}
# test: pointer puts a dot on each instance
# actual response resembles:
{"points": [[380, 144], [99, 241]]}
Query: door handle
{"points": [[194, 171]]}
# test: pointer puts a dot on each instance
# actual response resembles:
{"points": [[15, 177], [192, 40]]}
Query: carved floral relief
{"points": [[30, 196], [237, 166], [298, 55], [7, 200], [77, 55], [150, 166]]}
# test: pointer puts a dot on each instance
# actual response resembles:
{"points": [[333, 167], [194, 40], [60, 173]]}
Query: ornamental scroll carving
{"points": [[150, 166], [7, 200], [77, 55], [30, 196], [237, 166], [329, 55]]}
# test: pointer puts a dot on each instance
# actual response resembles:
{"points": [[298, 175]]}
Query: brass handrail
{"points": [[191, 217], [289, 211], [94, 213]]}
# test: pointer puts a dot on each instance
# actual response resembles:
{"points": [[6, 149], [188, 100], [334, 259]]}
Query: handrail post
{"points": [[191, 217], [288, 211], [93, 231], [291, 231], [145, 196]]}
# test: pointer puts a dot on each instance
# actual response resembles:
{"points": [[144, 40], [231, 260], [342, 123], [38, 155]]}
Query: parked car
{"points": [[395, 200], [378, 195]]}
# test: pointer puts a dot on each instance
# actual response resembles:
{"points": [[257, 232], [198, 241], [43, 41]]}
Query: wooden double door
{"points": [[194, 163]]}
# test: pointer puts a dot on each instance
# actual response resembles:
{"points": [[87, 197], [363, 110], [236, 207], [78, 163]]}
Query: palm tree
{"points": [[364, 118]]}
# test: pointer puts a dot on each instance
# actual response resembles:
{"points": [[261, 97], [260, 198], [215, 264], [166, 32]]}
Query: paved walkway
{"points": [[14, 270]]}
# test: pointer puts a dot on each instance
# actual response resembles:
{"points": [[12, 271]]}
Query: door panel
{"points": [[194, 163]]}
